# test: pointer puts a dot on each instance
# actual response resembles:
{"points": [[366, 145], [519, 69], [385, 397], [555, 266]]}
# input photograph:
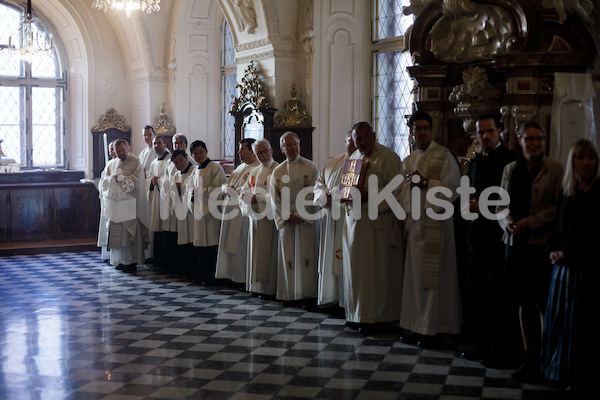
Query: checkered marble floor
{"points": [[72, 327]]}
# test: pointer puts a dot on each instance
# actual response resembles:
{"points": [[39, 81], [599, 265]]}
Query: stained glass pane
{"points": [[11, 122], [393, 100], [229, 82], [389, 19], [45, 126], [10, 20]]}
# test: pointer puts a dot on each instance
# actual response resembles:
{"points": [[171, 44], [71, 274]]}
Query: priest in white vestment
{"points": [[126, 210], [430, 296], [146, 157], [231, 259], [373, 249], [162, 226], [103, 227], [263, 237], [179, 142], [207, 177], [185, 256], [331, 282], [298, 234]]}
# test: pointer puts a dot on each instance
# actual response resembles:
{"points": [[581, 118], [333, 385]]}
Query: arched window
{"points": [[393, 96], [229, 80], [32, 100]]}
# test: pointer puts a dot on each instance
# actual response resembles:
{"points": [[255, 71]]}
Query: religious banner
{"points": [[352, 176]]}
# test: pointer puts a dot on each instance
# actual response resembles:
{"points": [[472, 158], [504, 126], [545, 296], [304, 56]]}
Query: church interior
{"points": [[72, 327]]}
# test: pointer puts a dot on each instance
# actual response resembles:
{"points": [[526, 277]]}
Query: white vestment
{"points": [[146, 157], [373, 250], [127, 211], [183, 216], [200, 184], [231, 259], [298, 243], [156, 196], [104, 223], [331, 283], [263, 237], [426, 310]]}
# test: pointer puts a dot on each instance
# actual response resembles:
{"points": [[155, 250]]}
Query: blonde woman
{"points": [[572, 301]]}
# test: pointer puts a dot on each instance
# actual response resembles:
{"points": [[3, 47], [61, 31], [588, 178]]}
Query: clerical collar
{"points": [[187, 169], [495, 147], [163, 156], [295, 160], [204, 164]]}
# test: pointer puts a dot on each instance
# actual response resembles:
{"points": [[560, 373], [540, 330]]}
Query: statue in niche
{"points": [[468, 32], [582, 8], [246, 16]]}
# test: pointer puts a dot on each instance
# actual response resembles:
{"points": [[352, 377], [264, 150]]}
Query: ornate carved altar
{"points": [[483, 56]]}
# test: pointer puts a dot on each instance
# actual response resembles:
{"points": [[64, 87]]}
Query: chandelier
{"points": [[34, 43], [127, 5]]}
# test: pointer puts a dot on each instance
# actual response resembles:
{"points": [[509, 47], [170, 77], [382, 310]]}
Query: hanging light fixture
{"points": [[34, 43], [128, 5]]}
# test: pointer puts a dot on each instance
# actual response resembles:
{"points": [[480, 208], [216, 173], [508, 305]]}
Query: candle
{"points": [[105, 148]]}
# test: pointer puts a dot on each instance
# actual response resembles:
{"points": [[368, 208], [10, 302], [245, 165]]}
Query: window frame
{"points": [[27, 82]]}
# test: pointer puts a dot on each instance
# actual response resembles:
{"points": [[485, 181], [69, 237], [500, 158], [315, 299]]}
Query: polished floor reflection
{"points": [[72, 327]]}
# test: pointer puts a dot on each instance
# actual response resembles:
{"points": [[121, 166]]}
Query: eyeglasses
{"points": [[533, 138], [265, 151], [421, 128], [285, 146]]}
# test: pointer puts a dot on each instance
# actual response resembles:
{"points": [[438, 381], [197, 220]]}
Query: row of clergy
{"points": [[360, 265]]}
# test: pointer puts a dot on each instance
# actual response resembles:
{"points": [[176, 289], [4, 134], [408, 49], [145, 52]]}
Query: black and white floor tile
{"points": [[73, 327]]}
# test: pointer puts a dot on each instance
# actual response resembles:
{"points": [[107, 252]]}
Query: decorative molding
{"points": [[163, 124], [475, 96], [522, 114], [257, 44], [469, 32], [251, 91], [293, 113], [111, 120]]}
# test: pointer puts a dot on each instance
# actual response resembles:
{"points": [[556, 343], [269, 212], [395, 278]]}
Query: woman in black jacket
{"points": [[572, 302]]}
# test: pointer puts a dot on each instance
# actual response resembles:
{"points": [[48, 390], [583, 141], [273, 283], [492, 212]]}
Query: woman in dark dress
{"points": [[572, 302]]}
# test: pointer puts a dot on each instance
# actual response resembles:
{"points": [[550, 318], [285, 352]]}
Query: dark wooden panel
{"points": [[28, 214], [76, 212], [4, 222]]}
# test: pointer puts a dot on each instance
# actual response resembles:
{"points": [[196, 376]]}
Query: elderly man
{"points": [[231, 259], [373, 249], [263, 238], [126, 210], [180, 142], [331, 283], [296, 273], [430, 296], [162, 226]]}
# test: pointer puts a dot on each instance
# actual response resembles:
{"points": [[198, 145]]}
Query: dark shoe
{"points": [[210, 282], [119, 267], [472, 355], [409, 338], [292, 303], [257, 295], [268, 297], [148, 261], [352, 325], [309, 304], [131, 268], [372, 329], [497, 362]]}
